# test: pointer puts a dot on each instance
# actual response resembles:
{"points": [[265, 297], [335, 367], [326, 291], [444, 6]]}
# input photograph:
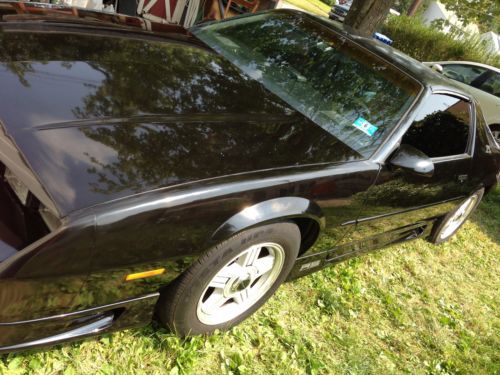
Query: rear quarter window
{"points": [[441, 127]]}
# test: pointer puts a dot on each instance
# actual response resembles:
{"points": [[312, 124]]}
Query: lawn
{"points": [[413, 308]]}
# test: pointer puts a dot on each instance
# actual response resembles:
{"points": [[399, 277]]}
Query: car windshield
{"points": [[353, 94]]}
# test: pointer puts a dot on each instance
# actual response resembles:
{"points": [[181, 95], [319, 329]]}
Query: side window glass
{"points": [[441, 127], [462, 73], [492, 85]]}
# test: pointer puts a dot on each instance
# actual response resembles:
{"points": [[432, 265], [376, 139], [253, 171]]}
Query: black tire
{"points": [[437, 232], [177, 306]]}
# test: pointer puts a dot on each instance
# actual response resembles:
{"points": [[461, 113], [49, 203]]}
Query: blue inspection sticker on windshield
{"points": [[365, 126]]}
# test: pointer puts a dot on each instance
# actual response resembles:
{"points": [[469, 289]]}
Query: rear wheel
{"points": [[230, 281], [452, 222]]}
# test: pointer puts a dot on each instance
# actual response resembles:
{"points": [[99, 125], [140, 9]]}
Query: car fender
{"points": [[272, 210]]}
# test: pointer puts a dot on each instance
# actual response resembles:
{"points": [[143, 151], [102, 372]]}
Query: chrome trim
{"points": [[350, 222], [89, 329], [365, 219], [443, 159], [473, 123], [160, 119], [452, 93], [81, 312]]}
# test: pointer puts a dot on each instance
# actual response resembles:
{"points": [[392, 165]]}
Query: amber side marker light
{"points": [[142, 275]]}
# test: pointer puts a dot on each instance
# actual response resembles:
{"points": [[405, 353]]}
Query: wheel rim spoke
{"points": [[250, 256], [219, 282], [225, 274], [242, 297], [264, 265], [214, 302]]}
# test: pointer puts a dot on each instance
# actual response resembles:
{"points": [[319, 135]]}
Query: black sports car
{"points": [[187, 173]]}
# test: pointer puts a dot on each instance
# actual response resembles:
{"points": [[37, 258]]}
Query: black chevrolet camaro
{"points": [[185, 174]]}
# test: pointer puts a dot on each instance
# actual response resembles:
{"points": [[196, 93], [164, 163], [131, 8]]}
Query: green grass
{"points": [[312, 6], [413, 308]]}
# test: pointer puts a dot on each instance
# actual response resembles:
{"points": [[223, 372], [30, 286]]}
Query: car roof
{"points": [[426, 76]]}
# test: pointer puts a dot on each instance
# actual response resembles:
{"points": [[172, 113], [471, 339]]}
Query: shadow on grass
{"points": [[487, 216]]}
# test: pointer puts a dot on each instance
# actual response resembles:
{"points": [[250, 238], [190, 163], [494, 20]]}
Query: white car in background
{"points": [[482, 80]]}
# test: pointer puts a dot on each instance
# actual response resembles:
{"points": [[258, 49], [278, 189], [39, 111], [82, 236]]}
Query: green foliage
{"points": [[484, 13], [423, 43], [402, 6]]}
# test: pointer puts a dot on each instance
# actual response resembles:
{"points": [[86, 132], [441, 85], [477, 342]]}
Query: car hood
{"points": [[100, 116]]}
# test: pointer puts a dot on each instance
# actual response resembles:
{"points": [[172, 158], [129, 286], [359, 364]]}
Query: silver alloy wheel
{"points": [[458, 217], [240, 283]]}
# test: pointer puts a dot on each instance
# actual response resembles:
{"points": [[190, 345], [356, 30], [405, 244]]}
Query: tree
{"points": [[415, 5], [484, 13], [366, 15]]}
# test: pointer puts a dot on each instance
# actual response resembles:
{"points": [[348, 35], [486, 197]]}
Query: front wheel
{"points": [[231, 281], [452, 222]]}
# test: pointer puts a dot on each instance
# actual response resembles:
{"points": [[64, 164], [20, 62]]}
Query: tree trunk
{"points": [[366, 15], [414, 7]]}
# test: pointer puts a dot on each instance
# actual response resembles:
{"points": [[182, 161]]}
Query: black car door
{"points": [[397, 206]]}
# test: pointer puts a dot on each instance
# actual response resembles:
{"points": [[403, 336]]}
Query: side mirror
{"points": [[410, 159], [437, 67]]}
